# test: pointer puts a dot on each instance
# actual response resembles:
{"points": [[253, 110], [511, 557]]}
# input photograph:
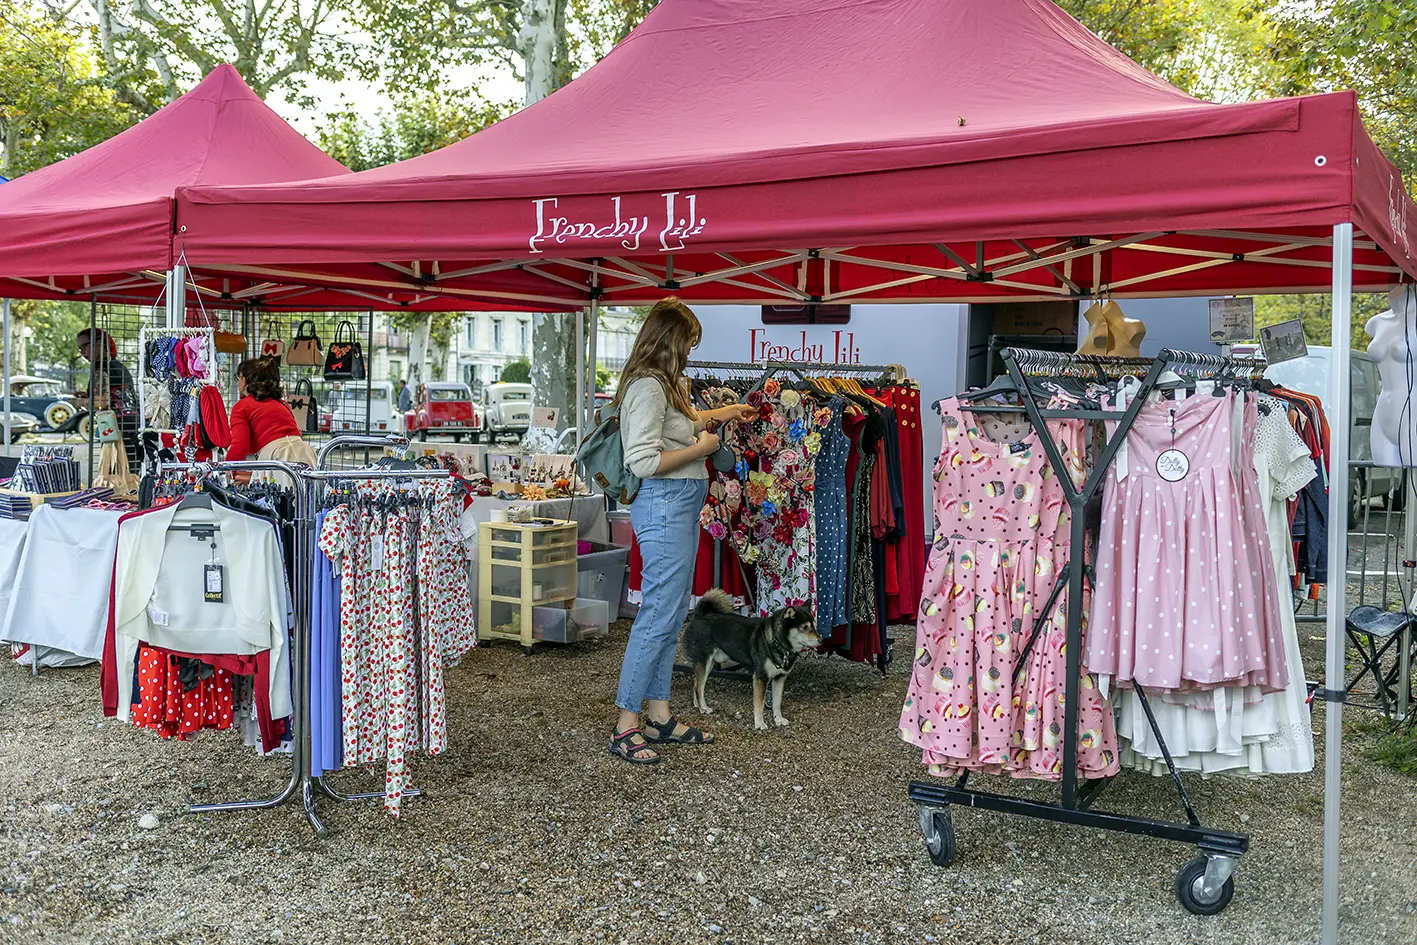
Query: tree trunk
{"points": [[553, 365], [418, 353], [542, 42], [537, 43]]}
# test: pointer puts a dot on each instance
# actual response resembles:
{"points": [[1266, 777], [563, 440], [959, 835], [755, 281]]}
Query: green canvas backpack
{"points": [[601, 458]]}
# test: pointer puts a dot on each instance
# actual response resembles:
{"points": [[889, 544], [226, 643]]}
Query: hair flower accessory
{"points": [[771, 387], [755, 399], [790, 398], [717, 531], [797, 431], [769, 509]]}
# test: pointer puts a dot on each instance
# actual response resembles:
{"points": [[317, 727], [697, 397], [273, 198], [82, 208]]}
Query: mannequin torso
{"points": [[1394, 350]]}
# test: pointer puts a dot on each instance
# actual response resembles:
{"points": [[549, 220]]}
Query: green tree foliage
{"points": [[52, 327], [1316, 314], [276, 45], [517, 372], [422, 122], [1365, 45], [53, 100]]}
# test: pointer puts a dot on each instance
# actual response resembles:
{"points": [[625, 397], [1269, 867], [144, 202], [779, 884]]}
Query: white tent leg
{"points": [[592, 362], [580, 376], [5, 312], [177, 297], [1338, 396]]}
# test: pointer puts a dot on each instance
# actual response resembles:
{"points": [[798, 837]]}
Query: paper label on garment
{"points": [[158, 617], [1172, 465], [376, 553], [1017, 447], [215, 590]]}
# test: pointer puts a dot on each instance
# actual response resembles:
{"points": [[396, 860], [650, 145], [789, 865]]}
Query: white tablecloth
{"points": [[59, 596], [12, 547]]}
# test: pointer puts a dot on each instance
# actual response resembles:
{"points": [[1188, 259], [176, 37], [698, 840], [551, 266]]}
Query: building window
{"points": [[496, 334], [472, 332], [396, 369], [524, 329]]}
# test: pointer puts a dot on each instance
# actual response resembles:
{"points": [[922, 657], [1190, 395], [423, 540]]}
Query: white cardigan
{"points": [[158, 594]]}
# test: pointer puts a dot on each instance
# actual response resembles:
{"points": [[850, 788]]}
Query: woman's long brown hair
{"points": [[661, 351]]}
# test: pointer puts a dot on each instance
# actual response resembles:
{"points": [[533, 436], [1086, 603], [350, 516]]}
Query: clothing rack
{"points": [[144, 335], [877, 374], [308, 483], [1204, 885]]}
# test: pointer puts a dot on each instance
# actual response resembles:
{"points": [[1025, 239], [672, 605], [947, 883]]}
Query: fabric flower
{"points": [[790, 458], [762, 530], [790, 399], [734, 502], [771, 387], [716, 491], [755, 399], [706, 515], [733, 490], [757, 493], [769, 508], [740, 469], [779, 420], [798, 431], [813, 443], [717, 531], [772, 442], [822, 417]]}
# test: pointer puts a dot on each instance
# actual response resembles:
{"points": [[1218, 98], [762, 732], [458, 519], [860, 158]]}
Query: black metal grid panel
{"points": [[345, 407]]}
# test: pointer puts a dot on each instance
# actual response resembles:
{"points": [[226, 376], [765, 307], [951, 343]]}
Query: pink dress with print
{"points": [[1186, 594], [1001, 527]]}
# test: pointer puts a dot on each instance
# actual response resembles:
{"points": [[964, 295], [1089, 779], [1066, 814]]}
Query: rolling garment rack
{"points": [[308, 483], [1204, 885], [880, 374]]}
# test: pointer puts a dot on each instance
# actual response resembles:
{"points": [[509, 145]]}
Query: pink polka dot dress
{"points": [[1001, 538], [1186, 596]]}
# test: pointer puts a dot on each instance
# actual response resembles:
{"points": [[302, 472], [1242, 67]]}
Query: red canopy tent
{"points": [[863, 150], [100, 224], [881, 150]]}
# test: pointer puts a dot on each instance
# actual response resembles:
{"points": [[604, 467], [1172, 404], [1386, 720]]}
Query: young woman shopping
{"points": [[262, 426], [666, 443]]}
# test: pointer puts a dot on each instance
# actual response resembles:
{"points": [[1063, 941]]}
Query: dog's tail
{"points": [[715, 601]]}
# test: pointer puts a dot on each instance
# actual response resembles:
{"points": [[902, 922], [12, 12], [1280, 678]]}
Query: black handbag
{"points": [[304, 407], [344, 358]]}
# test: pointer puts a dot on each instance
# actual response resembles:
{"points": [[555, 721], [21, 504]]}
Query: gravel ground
{"points": [[531, 833]]}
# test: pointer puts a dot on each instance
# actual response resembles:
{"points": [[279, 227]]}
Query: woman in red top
{"points": [[261, 422]]}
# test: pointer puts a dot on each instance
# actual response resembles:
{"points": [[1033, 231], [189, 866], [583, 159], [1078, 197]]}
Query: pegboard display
{"points": [[344, 406]]}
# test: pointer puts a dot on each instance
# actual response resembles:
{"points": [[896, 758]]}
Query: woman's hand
{"points": [[707, 443], [740, 412]]}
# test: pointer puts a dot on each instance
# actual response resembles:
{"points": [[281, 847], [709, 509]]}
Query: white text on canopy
{"points": [[681, 222]]}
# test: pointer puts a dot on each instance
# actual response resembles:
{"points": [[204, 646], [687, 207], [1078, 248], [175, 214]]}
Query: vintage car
{"points": [[507, 410], [39, 398], [21, 424], [351, 412], [444, 408]]}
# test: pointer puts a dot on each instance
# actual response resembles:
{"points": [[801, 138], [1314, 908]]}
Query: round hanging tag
{"points": [[1172, 465]]}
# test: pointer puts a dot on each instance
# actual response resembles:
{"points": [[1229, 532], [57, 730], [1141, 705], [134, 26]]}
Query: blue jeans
{"points": [[665, 516]]}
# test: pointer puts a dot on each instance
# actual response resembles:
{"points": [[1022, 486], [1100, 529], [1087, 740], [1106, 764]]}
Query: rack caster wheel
{"points": [[528, 650], [1205, 886], [938, 829]]}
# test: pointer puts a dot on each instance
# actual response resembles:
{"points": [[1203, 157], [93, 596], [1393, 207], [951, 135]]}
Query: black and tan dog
{"points": [[764, 646]]}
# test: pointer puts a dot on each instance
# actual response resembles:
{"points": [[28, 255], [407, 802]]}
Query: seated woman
{"points": [[262, 426]]}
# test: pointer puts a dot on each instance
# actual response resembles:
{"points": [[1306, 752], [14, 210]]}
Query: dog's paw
{"points": [[780, 722], [760, 726]]}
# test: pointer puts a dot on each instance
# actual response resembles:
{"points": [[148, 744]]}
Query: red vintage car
{"points": [[444, 408]]}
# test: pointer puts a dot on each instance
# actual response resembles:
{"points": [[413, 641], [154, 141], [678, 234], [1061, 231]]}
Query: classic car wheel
{"points": [[58, 413]]}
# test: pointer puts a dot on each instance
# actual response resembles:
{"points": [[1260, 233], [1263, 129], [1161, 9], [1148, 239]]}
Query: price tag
{"points": [[376, 553], [215, 589], [1172, 465]]}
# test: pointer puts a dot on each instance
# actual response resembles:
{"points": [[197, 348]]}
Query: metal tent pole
{"points": [[5, 313], [1338, 396], [592, 361], [580, 376]]}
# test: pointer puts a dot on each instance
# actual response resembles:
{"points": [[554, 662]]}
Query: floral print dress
{"points": [[1001, 540], [764, 506]]}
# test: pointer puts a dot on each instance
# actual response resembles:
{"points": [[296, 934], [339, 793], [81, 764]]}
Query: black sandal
{"points": [[664, 733], [622, 746]]}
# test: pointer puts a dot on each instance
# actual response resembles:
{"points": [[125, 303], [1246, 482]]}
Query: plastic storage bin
{"points": [[601, 574], [621, 532], [586, 620]]}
